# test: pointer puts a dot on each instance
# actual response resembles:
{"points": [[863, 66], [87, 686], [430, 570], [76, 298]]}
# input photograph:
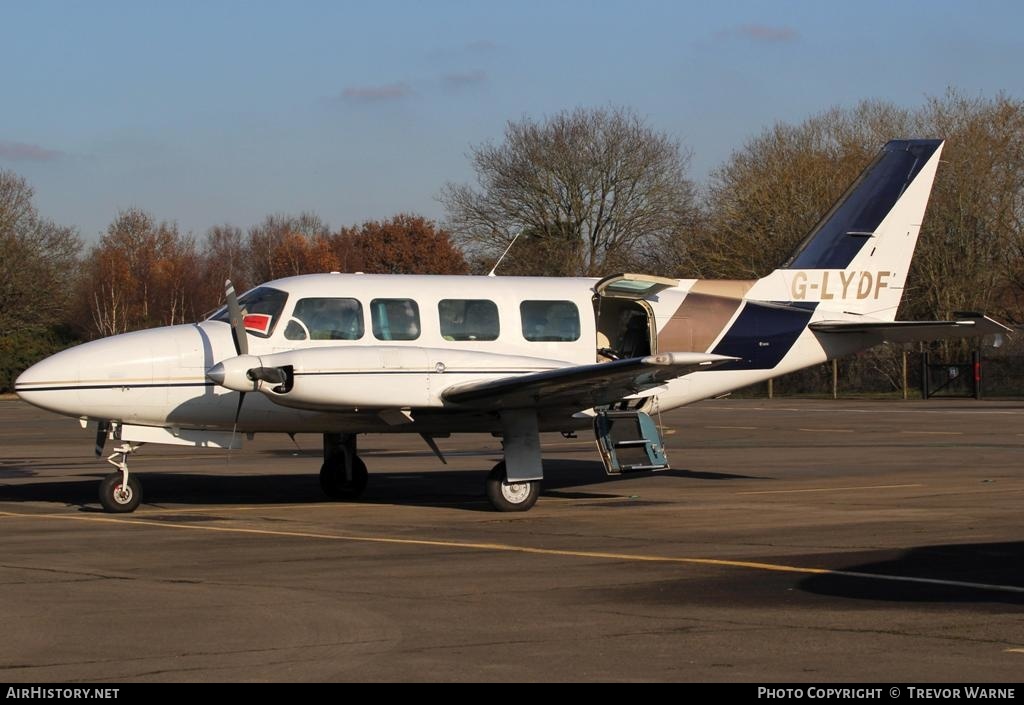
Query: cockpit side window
{"points": [[557, 321], [326, 319], [395, 319], [262, 306], [468, 319]]}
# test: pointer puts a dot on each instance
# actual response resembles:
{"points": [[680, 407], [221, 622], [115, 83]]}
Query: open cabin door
{"points": [[629, 441], [625, 321]]}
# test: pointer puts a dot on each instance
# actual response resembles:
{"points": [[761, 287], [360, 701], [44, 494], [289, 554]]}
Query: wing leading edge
{"points": [[581, 386]]}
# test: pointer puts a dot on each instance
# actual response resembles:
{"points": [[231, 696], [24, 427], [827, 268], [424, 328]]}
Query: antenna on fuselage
{"points": [[495, 267]]}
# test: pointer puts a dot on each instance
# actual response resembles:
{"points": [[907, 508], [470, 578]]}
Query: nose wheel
{"points": [[119, 496], [121, 492]]}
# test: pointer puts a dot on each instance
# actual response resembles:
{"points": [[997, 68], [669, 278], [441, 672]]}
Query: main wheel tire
{"points": [[336, 486], [508, 496], [118, 498]]}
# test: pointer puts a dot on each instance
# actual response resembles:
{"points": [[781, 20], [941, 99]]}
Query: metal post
{"points": [[924, 374], [835, 378], [770, 389], [904, 375], [976, 369]]}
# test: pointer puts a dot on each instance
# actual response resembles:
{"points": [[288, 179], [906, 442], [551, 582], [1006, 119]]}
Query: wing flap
{"points": [[969, 326], [581, 386]]}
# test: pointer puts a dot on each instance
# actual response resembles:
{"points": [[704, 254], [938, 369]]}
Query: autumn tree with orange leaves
{"points": [[141, 274], [404, 244]]}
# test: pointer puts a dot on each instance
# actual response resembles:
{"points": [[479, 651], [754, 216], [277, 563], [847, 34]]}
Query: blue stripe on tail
{"points": [[762, 334], [840, 235]]}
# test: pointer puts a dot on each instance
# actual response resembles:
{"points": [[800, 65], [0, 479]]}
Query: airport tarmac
{"points": [[796, 541]]}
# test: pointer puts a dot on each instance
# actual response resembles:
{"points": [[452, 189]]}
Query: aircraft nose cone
{"points": [[51, 383], [216, 374]]}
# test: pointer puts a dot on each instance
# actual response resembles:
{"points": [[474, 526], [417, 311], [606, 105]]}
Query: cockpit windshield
{"points": [[262, 308]]}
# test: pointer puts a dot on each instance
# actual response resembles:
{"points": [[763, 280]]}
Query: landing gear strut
{"points": [[343, 475], [120, 492], [507, 496]]}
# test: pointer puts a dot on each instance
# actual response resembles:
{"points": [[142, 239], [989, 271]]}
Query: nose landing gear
{"points": [[121, 492]]}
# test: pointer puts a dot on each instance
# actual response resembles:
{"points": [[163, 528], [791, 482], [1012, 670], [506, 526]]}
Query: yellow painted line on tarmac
{"points": [[342, 506], [248, 508], [933, 433], [827, 430], [529, 550], [742, 428], [1015, 651], [834, 489]]}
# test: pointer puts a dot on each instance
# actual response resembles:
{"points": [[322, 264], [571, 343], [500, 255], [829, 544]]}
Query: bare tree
{"points": [[970, 253], [278, 246], [600, 184], [224, 255], [772, 190], [37, 261], [37, 268]]}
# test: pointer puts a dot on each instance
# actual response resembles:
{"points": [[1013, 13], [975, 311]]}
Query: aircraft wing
{"points": [[581, 386], [971, 325]]}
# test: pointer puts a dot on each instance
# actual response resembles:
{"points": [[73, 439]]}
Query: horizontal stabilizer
{"points": [[970, 326], [581, 386]]}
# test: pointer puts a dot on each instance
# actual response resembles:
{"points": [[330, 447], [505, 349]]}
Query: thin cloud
{"points": [[481, 45], [376, 94], [761, 33], [464, 79], [23, 152], [476, 48], [767, 34]]}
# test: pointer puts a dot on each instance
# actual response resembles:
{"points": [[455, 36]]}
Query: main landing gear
{"points": [[343, 475], [121, 492], [514, 496]]}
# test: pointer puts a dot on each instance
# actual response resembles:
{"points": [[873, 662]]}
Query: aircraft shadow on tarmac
{"points": [[995, 564], [457, 489]]}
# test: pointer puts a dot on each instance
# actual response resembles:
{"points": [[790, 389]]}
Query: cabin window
{"points": [[550, 321], [262, 306], [468, 319], [326, 319], [395, 319]]}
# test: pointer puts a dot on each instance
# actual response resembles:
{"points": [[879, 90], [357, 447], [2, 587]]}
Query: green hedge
{"points": [[22, 349]]}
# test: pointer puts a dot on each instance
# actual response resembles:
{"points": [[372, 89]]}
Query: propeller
{"points": [[235, 373], [237, 318], [238, 334]]}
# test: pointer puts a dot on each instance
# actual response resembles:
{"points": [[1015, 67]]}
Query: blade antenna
{"points": [[495, 267]]}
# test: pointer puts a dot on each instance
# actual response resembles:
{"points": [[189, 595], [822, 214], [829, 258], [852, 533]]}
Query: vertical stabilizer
{"points": [[856, 259]]}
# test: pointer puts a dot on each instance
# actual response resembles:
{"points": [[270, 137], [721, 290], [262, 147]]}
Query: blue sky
{"points": [[217, 111]]}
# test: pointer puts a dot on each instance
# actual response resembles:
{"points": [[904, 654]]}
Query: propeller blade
{"points": [[101, 436], [237, 322], [234, 428]]}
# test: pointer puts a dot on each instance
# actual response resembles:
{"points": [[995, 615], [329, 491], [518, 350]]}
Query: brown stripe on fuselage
{"points": [[708, 307]]}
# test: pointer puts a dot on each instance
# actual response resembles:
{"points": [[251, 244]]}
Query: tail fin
{"points": [[857, 257]]}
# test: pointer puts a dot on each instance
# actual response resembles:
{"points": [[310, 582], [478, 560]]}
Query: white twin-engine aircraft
{"points": [[344, 354]]}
